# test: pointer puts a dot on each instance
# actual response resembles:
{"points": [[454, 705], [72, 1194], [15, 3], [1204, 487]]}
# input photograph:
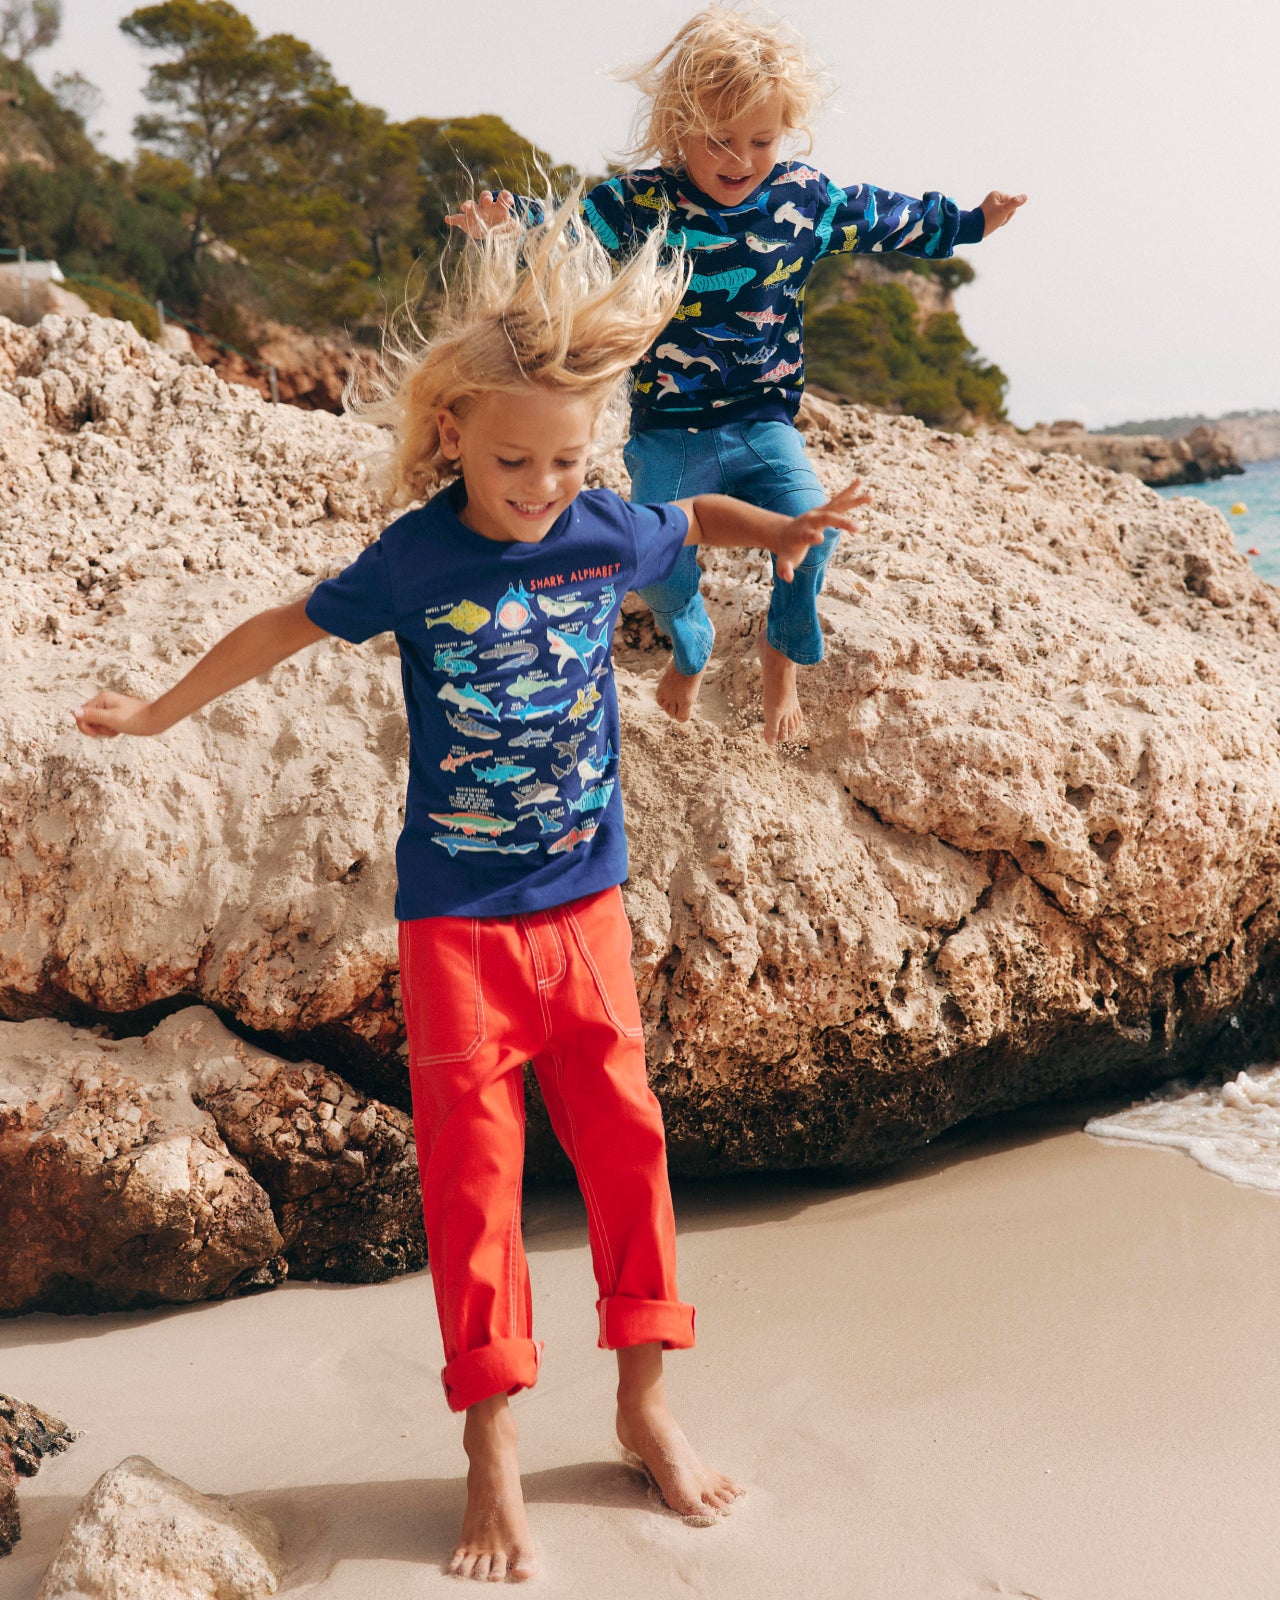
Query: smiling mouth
{"points": [[736, 183], [534, 510]]}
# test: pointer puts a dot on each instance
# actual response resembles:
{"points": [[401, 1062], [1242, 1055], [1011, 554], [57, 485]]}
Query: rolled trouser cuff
{"points": [[810, 653], [504, 1367], [625, 1321], [692, 635], [792, 626], [680, 612]]}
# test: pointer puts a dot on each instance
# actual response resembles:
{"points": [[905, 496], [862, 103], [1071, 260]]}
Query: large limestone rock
{"points": [[140, 1534], [27, 1436], [340, 1169], [188, 1165], [145, 507], [116, 1191], [1030, 843]]}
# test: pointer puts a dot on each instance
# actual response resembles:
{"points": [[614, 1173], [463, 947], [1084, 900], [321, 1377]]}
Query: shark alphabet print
{"points": [[534, 653]]}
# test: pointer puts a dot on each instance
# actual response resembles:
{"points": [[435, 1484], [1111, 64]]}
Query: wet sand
{"points": [[1029, 1364]]}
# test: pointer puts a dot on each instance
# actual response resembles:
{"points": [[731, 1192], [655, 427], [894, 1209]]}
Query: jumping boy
{"points": [[713, 401], [503, 592]]}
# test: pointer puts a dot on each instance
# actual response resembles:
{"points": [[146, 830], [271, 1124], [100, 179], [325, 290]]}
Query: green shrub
{"points": [[119, 300], [873, 349]]}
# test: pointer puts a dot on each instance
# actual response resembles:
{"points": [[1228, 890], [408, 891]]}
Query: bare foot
{"points": [[648, 1431], [495, 1543], [677, 694], [783, 718]]}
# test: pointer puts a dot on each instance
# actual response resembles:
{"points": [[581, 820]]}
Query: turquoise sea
{"points": [[1259, 527]]}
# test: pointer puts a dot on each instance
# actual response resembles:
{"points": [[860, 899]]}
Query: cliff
{"points": [[21, 139], [1252, 435], [1204, 453], [1253, 438], [1030, 846]]}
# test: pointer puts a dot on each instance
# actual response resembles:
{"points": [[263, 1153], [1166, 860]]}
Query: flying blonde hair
{"points": [[720, 65], [537, 304]]}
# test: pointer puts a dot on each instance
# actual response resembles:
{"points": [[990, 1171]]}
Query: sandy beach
{"points": [[1026, 1364]]}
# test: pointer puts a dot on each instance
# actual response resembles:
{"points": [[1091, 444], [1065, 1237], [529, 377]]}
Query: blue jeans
{"points": [[760, 462]]}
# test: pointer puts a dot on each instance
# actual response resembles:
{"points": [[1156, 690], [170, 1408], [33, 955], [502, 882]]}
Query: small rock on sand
{"points": [[140, 1534]]}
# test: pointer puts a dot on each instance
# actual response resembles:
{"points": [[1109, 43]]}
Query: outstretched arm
{"points": [[999, 208], [254, 647], [719, 519], [491, 213], [604, 210], [866, 218]]}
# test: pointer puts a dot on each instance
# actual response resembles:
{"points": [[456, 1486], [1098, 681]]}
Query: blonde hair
{"points": [[540, 304], [720, 65]]}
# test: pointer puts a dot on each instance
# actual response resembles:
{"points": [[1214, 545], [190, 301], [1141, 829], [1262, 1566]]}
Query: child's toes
{"points": [[726, 1492]]}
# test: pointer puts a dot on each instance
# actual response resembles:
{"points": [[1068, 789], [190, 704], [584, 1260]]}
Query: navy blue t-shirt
{"points": [[513, 802]]}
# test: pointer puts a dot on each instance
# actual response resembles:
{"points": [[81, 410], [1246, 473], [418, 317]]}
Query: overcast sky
{"points": [[1141, 279]]}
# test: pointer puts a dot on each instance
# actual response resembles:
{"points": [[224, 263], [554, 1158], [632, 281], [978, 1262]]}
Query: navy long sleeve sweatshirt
{"points": [[734, 350]]}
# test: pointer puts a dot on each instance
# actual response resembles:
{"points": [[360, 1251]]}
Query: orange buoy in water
{"points": [[1239, 509], [1253, 551]]}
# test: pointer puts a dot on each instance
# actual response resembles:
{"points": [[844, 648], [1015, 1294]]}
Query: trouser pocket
{"points": [[603, 936], [440, 988]]}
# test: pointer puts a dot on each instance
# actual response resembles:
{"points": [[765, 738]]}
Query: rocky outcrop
{"points": [[27, 1436], [310, 371], [1030, 845], [1252, 435], [189, 1165], [22, 142], [932, 297], [112, 1196], [340, 1169], [143, 1534], [1204, 453], [116, 480]]}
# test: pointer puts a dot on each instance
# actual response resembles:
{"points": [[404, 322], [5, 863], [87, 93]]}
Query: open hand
{"points": [[109, 713], [491, 213], [806, 530], [997, 208]]}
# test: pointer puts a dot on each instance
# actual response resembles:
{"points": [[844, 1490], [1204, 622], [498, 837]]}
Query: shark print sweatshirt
{"points": [[734, 350]]}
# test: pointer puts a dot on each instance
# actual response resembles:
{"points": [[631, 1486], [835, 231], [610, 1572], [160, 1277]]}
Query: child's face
{"points": [[731, 161], [524, 459]]}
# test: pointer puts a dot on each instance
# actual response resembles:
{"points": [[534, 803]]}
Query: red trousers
{"points": [[481, 997]]}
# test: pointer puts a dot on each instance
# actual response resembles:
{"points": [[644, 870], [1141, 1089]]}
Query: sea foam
{"points": [[1232, 1128]]}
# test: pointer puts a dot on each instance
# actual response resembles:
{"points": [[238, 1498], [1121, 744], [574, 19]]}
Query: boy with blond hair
{"points": [[714, 399], [502, 592]]}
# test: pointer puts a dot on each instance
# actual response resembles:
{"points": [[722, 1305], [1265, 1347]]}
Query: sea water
{"points": [[1257, 528], [1231, 1128]]}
